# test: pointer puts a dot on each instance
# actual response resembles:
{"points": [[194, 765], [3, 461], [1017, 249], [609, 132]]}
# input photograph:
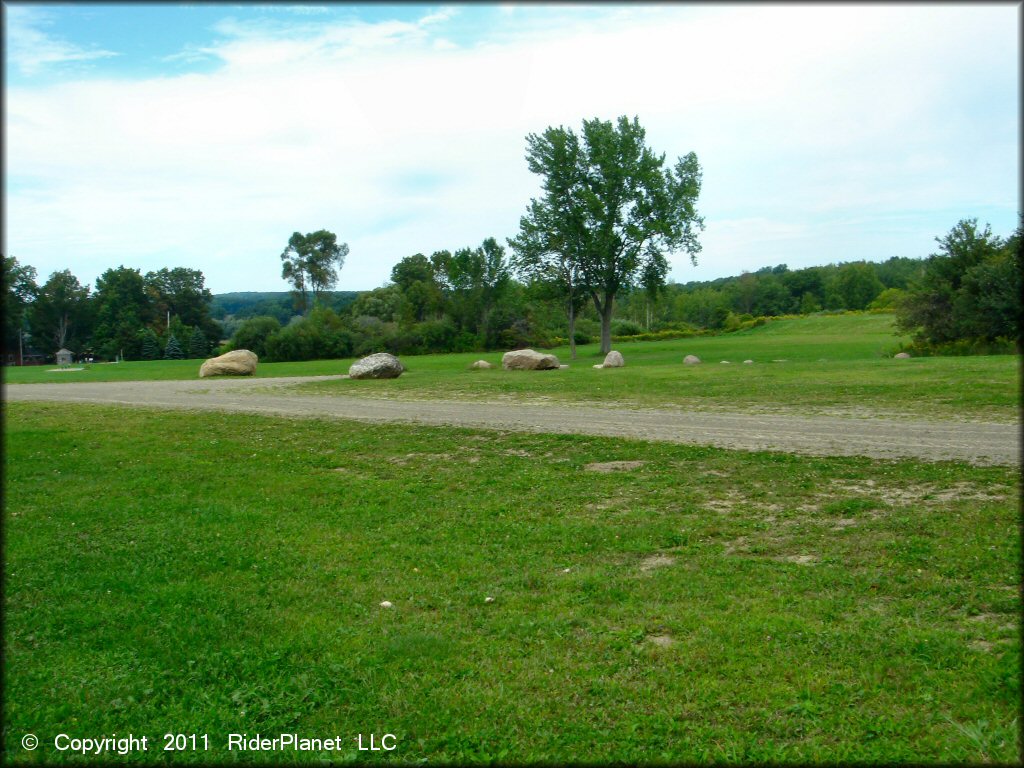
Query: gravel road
{"points": [[974, 442]]}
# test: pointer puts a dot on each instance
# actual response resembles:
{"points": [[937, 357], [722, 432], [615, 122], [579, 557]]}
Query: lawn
{"points": [[211, 573], [835, 364]]}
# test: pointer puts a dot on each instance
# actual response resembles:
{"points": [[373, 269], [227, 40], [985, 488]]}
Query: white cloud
{"points": [[30, 49], [804, 119]]}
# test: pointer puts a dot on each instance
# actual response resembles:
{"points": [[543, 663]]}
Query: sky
{"points": [[203, 135]]}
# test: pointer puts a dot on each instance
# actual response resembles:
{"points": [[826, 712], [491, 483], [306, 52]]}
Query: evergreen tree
{"points": [[173, 350], [150, 345], [197, 345]]}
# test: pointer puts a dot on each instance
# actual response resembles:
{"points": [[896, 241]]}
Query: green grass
{"points": [[835, 364], [832, 364], [217, 573], [158, 370]]}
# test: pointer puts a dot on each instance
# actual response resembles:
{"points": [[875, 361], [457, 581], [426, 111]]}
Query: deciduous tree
{"points": [[311, 262], [123, 308], [611, 208], [60, 313], [19, 291]]}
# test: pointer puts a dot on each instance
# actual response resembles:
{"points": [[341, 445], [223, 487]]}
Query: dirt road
{"points": [[978, 443]]}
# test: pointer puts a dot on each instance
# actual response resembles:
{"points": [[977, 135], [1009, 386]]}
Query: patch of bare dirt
{"points": [[798, 559], [656, 561], [662, 641], [918, 494], [613, 466]]}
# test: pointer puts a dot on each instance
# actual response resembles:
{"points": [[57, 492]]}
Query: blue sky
{"points": [[203, 135]]}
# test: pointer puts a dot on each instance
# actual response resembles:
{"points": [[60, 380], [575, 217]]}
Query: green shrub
{"points": [[319, 336], [626, 328], [961, 348], [253, 334]]}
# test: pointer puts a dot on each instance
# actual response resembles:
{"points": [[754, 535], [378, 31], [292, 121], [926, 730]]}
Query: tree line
{"points": [[162, 314]]}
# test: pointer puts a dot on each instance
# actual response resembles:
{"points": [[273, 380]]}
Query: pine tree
{"points": [[150, 345], [197, 346], [173, 351]]}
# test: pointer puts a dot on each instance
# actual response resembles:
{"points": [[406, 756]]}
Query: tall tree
{"points": [[421, 294], [478, 277], [856, 284], [182, 293], [123, 308], [552, 236], [19, 291], [969, 289], [612, 207], [311, 262], [59, 315]]}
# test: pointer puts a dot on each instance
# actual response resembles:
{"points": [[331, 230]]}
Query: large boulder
{"points": [[378, 366], [691, 359], [613, 360], [237, 362], [528, 360]]}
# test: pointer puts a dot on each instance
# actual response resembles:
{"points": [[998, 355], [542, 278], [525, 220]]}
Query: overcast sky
{"points": [[204, 135]]}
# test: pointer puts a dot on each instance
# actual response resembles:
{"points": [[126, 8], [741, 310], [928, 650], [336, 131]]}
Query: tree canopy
{"points": [[610, 212], [311, 262], [970, 289]]}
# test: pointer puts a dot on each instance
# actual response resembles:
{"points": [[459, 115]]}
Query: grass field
{"points": [[207, 573]]}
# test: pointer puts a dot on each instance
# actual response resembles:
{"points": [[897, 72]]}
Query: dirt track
{"points": [[978, 443]]}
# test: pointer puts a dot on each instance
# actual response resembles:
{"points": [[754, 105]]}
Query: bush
{"points": [[320, 336], [437, 335], [626, 328], [663, 335], [253, 334], [961, 347]]}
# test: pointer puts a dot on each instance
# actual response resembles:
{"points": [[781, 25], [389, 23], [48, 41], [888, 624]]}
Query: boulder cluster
{"points": [[382, 365]]}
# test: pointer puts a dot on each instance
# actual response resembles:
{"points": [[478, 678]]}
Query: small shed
{"points": [[64, 356]]}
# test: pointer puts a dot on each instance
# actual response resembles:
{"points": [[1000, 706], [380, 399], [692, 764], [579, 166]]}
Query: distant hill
{"points": [[280, 304]]}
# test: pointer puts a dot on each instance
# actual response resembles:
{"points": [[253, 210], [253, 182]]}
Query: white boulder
{"points": [[378, 366]]}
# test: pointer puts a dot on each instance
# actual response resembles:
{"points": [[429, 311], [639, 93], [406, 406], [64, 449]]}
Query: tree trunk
{"points": [[572, 328], [62, 331], [605, 311], [606, 332]]}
